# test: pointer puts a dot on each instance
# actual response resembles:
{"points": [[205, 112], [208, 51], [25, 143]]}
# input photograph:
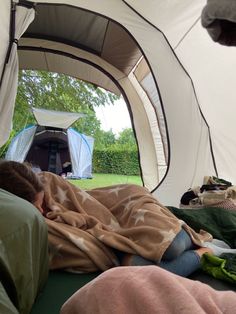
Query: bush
{"points": [[116, 161], [4, 148]]}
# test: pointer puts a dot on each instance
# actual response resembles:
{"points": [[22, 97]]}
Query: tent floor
{"points": [[61, 285]]}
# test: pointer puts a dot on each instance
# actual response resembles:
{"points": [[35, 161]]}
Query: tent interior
{"points": [[153, 60], [43, 145], [177, 83]]}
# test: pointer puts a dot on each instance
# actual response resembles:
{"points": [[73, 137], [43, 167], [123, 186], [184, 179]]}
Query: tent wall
{"points": [[21, 144], [181, 113], [138, 113], [81, 153], [15, 21], [187, 67]]}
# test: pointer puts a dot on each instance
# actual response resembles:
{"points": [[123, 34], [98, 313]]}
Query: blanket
{"points": [[219, 19], [147, 290], [220, 222], [222, 267], [86, 227]]}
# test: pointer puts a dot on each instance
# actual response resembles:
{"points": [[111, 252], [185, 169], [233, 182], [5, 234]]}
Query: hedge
{"points": [[116, 161]]}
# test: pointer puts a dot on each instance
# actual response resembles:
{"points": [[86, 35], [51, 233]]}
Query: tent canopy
{"points": [[57, 119], [177, 82]]}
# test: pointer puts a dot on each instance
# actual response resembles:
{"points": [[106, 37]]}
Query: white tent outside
{"points": [[56, 119], [33, 144], [173, 77]]}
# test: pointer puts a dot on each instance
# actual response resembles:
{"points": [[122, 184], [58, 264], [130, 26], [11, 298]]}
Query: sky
{"points": [[115, 117]]}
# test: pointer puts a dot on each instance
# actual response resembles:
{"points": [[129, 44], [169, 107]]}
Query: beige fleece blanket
{"points": [[148, 289], [86, 226]]}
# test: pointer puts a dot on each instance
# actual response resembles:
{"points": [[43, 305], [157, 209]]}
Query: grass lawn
{"points": [[102, 179]]}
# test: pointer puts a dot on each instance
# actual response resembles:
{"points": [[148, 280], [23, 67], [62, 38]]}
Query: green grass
{"points": [[102, 179]]}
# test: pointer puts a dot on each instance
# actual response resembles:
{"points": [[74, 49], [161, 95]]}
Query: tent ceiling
{"points": [[51, 62], [93, 33]]}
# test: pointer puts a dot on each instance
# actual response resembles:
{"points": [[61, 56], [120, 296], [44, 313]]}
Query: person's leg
{"points": [[184, 265], [181, 243], [180, 257]]}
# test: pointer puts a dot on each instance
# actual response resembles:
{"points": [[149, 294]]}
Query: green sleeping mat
{"points": [[59, 287]]}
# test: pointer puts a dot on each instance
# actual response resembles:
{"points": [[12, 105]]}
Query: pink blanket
{"points": [[148, 289]]}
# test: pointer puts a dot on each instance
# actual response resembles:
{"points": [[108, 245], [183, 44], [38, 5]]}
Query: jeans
{"points": [[179, 258]]}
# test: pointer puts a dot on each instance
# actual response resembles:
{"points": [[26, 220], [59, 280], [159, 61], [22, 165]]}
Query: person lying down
{"points": [[148, 289], [98, 229]]}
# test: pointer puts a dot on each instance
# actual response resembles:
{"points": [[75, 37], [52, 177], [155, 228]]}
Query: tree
{"points": [[55, 91], [104, 139], [126, 139]]}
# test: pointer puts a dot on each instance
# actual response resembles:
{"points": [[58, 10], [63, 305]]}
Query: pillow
{"points": [[23, 250]]}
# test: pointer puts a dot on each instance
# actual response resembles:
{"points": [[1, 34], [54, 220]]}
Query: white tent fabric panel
{"points": [[210, 66], [158, 126], [215, 88], [81, 148], [145, 78], [38, 60], [20, 144], [5, 11], [74, 52], [161, 165], [174, 18], [148, 158], [57, 119], [23, 17]]}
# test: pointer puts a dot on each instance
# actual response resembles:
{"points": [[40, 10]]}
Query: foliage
{"points": [[55, 91], [4, 148], [116, 161], [126, 139], [104, 139], [118, 156]]}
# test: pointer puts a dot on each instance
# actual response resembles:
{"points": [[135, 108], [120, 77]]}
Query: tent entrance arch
{"points": [[116, 36]]}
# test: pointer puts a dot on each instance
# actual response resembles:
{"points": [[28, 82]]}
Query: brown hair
{"points": [[19, 179]]}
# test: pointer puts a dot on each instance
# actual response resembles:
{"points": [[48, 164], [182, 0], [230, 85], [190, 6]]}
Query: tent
{"points": [[178, 84], [53, 146]]}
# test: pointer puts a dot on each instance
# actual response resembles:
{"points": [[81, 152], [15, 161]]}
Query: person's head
{"points": [[19, 179]]}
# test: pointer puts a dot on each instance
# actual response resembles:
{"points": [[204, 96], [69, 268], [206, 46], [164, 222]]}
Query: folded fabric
{"points": [[216, 267], [219, 17], [147, 289]]}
